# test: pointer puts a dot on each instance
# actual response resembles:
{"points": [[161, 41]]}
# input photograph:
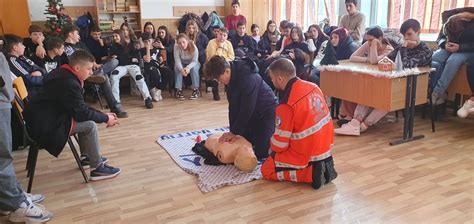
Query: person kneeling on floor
{"points": [[304, 133], [59, 110]]}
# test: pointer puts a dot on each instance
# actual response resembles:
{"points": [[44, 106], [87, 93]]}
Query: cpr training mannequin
{"points": [[238, 152]]}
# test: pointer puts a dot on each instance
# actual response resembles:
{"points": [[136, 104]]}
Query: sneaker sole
{"points": [[29, 220], [104, 177]]}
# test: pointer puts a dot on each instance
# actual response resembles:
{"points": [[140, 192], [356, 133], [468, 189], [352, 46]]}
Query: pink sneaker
{"points": [[351, 128]]}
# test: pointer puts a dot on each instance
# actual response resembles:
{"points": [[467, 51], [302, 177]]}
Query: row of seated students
{"points": [[156, 60]]}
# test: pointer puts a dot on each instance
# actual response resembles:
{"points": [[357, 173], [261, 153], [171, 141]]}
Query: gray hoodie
{"points": [[6, 86]]}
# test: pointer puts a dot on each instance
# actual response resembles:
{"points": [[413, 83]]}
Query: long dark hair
{"points": [[300, 34], [153, 35], [377, 33], [321, 35], [131, 32], [168, 38], [122, 43], [275, 33]]}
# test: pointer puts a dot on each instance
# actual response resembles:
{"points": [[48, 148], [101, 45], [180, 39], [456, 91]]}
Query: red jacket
{"points": [[304, 129]]}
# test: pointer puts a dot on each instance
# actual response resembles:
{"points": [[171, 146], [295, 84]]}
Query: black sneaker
{"points": [[318, 174], [86, 163], [330, 174], [194, 95], [179, 95], [121, 114], [148, 103], [104, 171], [215, 94]]}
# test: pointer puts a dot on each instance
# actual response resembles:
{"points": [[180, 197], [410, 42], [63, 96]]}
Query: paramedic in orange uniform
{"points": [[304, 132]]}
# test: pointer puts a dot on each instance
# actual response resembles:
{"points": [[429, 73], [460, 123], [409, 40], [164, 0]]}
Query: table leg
{"points": [[409, 111]]}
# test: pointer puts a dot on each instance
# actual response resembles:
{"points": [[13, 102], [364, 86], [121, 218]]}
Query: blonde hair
{"points": [[196, 34], [191, 47]]}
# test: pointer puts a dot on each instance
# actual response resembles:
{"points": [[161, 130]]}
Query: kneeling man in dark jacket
{"points": [[59, 110], [252, 103]]}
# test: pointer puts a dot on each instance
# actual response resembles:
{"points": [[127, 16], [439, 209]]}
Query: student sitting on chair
{"points": [[374, 49], [52, 59], [222, 47], [59, 110], [35, 45], [96, 45], [243, 41], [128, 60], [269, 38], [186, 58], [22, 66], [165, 41], [155, 72]]}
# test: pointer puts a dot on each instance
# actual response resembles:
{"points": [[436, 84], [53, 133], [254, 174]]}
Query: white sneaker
{"points": [[351, 128], [30, 212], [35, 198], [153, 95], [466, 109], [158, 95]]}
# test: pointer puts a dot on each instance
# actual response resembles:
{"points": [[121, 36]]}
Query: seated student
{"points": [[198, 38], [269, 38], [128, 60], [167, 42], [456, 47], [285, 39], [186, 58], [128, 33], [59, 111], [255, 29], [54, 50], [374, 49], [222, 47], [22, 66], [156, 74], [215, 30], [297, 41], [16, 203], [251, 102], [243, 41], [468, 107], [317, 41], [34, 43], [353, 21], [97, 46], [72, 44], [344, 47], [301, 145], [299, 59], [414, 52], [231, 21]]}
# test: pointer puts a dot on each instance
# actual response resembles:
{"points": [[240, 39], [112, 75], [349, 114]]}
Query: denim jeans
{"points": [[447, 65], [194, 73], [11, 194]]}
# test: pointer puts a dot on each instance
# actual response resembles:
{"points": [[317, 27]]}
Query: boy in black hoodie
{"points": [[251, 102], [243, 41]]}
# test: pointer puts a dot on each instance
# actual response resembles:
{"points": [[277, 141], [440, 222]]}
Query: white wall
{"points": [[163, 9], [38, 7]]}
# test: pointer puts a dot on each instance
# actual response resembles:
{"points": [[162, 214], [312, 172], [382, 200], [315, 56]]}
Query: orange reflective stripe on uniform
{"points": [[315, 128]]}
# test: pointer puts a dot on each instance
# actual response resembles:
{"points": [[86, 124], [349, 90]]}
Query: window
{"points": [[385, 13], [305, 12]]}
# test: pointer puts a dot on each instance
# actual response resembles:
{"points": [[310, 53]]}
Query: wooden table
{"points": [[388, 94]]}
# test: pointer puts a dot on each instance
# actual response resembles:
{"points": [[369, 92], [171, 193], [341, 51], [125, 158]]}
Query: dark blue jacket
{"points": [[250, 98], [23, 67], [96, 50], [346, 48]]}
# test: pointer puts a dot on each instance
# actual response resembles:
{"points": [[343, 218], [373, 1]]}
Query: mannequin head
{"points": [[239, 153]]}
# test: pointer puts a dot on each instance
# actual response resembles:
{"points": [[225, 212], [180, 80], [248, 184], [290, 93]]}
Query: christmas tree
{"points": [[56, 18]]}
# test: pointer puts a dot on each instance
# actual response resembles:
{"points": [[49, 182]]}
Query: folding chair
{"points": [[21, 95]]}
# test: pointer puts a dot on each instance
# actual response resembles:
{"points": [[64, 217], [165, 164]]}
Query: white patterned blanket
{"points": [[210, 178]]}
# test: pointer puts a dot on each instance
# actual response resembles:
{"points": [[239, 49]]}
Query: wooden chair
{"points": [[21, 95]]}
